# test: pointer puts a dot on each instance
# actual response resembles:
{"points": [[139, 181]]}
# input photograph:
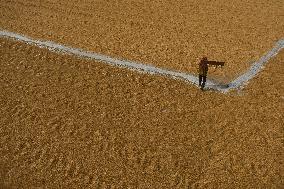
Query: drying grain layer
{"points": [[72, 123], [168, 34]]}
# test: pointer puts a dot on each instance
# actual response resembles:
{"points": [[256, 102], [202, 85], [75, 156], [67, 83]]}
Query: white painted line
{"points": [[150, 69]]}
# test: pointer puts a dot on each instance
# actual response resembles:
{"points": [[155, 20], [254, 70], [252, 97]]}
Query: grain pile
{"points": [[72, 123], [169, 34]]}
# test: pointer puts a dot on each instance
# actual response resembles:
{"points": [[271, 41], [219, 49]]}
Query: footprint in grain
{"points": [[53, 162], [37, 156], [54, 123], [18, 110], [98, 136], [70, 169]]}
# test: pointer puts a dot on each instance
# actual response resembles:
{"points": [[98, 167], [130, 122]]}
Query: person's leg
{"points": [[200, 79], [203, 81]]}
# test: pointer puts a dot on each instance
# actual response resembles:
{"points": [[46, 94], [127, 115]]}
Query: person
{"points": [[203, 69]]}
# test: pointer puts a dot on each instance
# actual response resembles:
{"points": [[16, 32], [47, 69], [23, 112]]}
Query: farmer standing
{"points": [[203, 69]]}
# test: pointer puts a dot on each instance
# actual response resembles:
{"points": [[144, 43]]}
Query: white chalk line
{"points": [[239, 82]]}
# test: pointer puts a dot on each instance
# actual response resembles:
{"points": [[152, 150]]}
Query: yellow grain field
{"points": [[67, 122], [169, 34]]}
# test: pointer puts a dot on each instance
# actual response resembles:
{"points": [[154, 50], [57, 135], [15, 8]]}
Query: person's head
{"points": [[204, 58]]}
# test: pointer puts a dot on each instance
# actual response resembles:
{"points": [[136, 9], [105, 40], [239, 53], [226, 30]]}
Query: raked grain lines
{"points": [[239, 82]]}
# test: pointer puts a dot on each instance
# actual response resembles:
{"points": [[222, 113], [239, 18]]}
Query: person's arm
{"points": [[198, 67]]}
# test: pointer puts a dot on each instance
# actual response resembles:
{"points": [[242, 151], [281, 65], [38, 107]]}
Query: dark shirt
{"points": [[203, 68]]}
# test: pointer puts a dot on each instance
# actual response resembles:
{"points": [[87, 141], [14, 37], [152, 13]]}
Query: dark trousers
{"points": [[202, 81]]}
